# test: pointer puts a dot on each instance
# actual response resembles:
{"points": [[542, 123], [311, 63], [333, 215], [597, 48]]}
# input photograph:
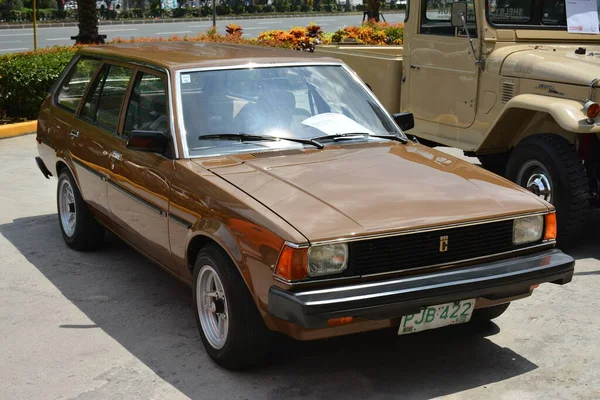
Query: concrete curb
{"points": [[176, 20], [18, 129]]}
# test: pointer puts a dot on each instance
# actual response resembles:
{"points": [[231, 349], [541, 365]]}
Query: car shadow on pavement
{"points": [[149, 313]]}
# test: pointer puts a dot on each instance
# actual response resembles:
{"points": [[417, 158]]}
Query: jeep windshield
{"points": [[296, 102], [537, 14]]}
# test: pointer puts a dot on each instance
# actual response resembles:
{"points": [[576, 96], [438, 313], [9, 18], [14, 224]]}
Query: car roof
{"points": [[184, 55]]}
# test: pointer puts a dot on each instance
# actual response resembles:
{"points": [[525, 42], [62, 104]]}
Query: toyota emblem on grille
{"points": [[443, 244]]}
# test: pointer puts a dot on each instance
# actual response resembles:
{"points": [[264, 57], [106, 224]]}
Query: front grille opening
{"points": [[411, 251]]}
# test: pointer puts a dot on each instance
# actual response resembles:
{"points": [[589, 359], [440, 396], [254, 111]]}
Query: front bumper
{"points": [[404, 296]]}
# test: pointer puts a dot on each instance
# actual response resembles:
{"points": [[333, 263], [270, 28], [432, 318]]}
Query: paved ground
{"points": [[109, 324], [12, 40]]}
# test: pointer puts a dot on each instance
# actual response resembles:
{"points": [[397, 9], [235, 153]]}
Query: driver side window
{"points": [[436, 19], [147, 109]]}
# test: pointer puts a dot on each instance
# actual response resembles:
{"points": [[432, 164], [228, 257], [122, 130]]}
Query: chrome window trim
{"points": [[171, 114], [178, 73]]}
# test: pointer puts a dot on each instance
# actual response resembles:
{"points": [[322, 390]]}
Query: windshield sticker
{"points": [[185, 79], [582, 16]]}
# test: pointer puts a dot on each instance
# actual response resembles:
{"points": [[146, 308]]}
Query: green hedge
{"points": [[25, 79]]}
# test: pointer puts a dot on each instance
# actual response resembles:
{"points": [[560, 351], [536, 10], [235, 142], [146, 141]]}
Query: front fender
{"points": [[568, 114]]}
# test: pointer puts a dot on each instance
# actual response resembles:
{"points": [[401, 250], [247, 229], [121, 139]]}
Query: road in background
{"points": [[109, 324], [12, 40]]}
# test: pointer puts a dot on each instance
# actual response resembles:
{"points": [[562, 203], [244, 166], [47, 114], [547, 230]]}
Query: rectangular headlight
{"points": [[528, 229], [327, 259]]}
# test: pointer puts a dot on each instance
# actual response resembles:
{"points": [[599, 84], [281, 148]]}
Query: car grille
{"points": [[405, 252]]}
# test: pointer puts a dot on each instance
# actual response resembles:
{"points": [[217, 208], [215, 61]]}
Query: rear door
{"points": [[94, 131], [139, 188]]}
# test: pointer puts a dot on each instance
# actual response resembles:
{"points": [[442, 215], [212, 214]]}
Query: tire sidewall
{"points": [[220, 265], [562, 187], [65, 175]]}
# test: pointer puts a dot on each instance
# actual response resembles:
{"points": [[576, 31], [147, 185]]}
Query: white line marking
{"points": [[22, 48], [62, 38], [171, 33], [117, 30], [270, 22], [19, 34], [11, 41], [199, 26], [252, 29]]}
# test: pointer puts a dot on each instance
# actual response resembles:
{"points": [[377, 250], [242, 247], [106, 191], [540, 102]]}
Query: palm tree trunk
{"points": [[373, 7], [88, 23]]}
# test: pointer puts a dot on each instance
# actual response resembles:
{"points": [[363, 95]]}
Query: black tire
{"points": [[567, 175], [495, 163], [247, 340], [484, 315], [88, 233]]}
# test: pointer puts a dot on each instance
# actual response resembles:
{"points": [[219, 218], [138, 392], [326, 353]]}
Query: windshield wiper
{"points": [[249, 137], [341, 136], [392, 137], [349, 136]]}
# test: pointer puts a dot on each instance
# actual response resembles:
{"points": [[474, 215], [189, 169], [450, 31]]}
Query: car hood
{"points": [[372, 188], [554, 64]]}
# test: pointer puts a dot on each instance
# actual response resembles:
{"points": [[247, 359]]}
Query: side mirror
{"points": [[405, 121], [459, 14], [149, 141]]}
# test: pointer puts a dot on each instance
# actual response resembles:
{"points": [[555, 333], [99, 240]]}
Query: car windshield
{"points": [[299, 102], [540, 13]]}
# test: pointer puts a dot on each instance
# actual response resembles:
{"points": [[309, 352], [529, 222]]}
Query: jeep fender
{"points": [[537, 114]]}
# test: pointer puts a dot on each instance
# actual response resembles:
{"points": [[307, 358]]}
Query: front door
{"points": [[139, 188], [443, 74]]}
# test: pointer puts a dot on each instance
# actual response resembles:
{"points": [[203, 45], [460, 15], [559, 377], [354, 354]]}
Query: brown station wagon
{"points": [[276, 185]]}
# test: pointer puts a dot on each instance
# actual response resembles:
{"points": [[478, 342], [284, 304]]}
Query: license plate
{"points": [[433, 317]]}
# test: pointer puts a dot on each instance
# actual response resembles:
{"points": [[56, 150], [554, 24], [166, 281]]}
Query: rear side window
{"points": [[103, 105], [147, 108], [73, 88]]}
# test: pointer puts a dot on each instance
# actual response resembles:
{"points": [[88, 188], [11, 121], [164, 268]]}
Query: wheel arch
{"points": [[538, 114]]}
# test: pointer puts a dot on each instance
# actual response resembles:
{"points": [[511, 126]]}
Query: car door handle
{"points": [[74, 133], [115, 155]]}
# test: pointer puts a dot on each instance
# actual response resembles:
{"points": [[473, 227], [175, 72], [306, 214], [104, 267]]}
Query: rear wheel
{"points": [[80, 229], [550, 167], [483, 315], [232, 331]]}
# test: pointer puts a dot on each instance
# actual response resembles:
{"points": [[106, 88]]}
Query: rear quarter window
{"points": [[73, 88]]}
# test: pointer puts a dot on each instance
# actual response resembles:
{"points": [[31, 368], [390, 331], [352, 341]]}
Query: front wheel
{"points": [[550, 167], [232, 331]]}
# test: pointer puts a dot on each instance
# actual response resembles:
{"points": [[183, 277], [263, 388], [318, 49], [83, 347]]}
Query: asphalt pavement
{"points": [[13, 40], [111, 325]]}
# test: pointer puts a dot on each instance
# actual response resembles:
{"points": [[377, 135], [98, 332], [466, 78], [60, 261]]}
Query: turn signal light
{"points": [[550, 226], [592, 109], [292, 263], [339, 321]]}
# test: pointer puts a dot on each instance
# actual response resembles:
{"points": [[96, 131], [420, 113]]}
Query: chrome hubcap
{"points": [[534, 176], [66, 207], [212, 307], [539, 184]]}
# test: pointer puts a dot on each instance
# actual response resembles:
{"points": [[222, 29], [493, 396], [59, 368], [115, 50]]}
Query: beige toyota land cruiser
{"points": [[503, 81]]}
